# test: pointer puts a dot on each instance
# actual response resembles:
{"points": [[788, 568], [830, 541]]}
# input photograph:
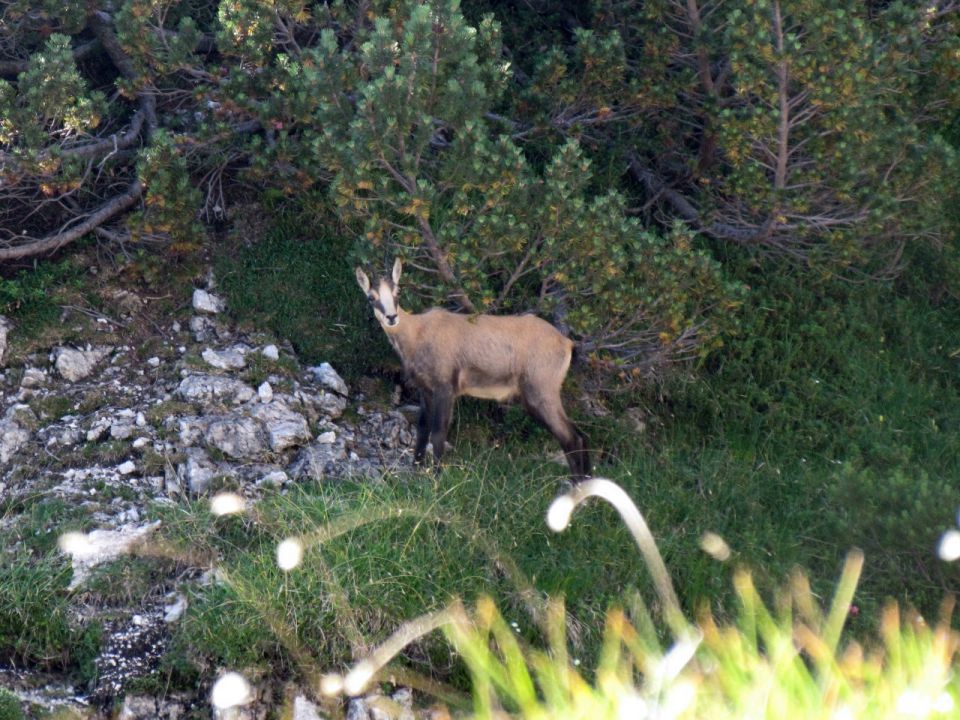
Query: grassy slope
{"points": [[831, 421], [827, 424]]}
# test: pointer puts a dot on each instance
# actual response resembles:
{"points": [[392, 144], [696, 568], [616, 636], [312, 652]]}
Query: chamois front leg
{"points": [[440, 422], [423, 426]]}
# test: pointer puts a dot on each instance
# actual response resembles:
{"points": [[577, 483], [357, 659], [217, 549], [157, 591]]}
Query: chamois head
{"points": [[383, 297]]}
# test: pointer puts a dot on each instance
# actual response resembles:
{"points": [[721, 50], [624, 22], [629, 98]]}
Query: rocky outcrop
{"points": [[107, 430]]}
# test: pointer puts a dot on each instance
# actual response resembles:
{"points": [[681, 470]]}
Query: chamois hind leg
{"points": [[440, 418], [423, 426], [550, 414]]}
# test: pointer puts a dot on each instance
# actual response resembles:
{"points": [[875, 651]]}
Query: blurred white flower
{"points": [[75, 543], [331, 684], [715, 546], [357, 679], [227, 503], [230, 690], [289, 553], [949, 549], [944, 703], [630, 706]]}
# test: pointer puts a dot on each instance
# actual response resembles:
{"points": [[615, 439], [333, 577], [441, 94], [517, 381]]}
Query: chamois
{"points": [[495, 357]]}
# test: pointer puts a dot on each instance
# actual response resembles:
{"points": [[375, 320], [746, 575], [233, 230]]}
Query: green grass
{"points": [[830, 422], [36, 623], [411, 543], [852, 394], [31, 297]]}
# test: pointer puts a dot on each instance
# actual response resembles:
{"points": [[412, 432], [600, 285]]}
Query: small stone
{"points": [[197, 472], [121, 431], [70, 436], [140, 442], [154, 362], [207, 302], [303, 709], [74, 365], [327, 438], [238, 437], [330, 378], [284, 427], [5, 327], [32, 377], [270, 352], [96, 433], [357, 710], [138, 707], [206, 388], [231, 359], [275, 478], [174, 608], [175, 327], [126, 468], [141, 420], [265, 392], [14, 431]]}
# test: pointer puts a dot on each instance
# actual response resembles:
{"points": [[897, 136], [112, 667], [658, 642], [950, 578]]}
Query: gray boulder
{"points": [[5, 327], [229, 359], [196, 472], [319, 460], [202, 388], [207, 302], [15, 429], [237, 436], [285, 427], [322, 405], [74, 365], [330, 378]]}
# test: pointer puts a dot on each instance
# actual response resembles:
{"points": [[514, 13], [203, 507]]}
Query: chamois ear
{"points": [[397, 268], [362, 280]]}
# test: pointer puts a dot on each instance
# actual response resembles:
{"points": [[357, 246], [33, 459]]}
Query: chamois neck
{"points": [[403, 332]]}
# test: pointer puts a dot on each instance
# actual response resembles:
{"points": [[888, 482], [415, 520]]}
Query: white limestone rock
{"points": [[196, 472], [229, 359], [15, 431], [87, 550], [237, 436], [285, 427], [74, 365], [5, 327], [330, 379], [265, 392], [207, 302], [210, 388]]}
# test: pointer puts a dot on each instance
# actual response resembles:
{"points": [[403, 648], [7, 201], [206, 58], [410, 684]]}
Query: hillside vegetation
{"points": [[745, 213]]}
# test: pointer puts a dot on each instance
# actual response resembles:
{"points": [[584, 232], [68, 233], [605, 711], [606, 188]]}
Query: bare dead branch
{"points": [[77, 228]]}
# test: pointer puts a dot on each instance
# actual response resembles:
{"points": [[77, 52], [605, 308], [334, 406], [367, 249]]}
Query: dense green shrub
{"points": [[538, 166]]}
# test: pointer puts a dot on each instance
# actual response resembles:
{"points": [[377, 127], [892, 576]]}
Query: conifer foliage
{"points": [[574, 159]]}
